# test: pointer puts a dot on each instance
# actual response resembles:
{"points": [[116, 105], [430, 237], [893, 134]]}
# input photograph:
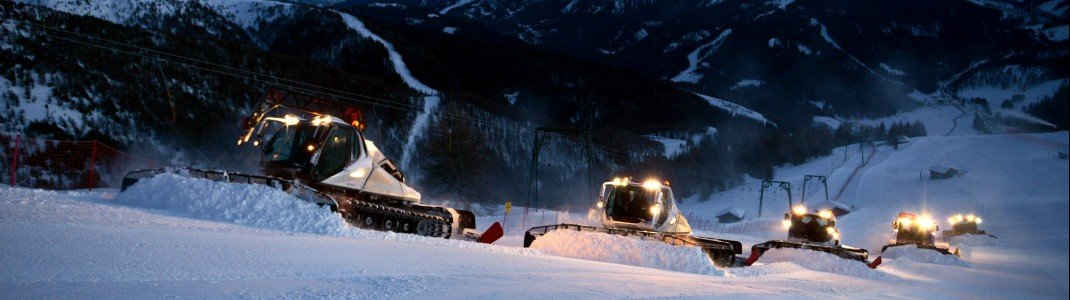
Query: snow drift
{"points": [[625, 250], [912, 253], [783, 260], [259, 206]]}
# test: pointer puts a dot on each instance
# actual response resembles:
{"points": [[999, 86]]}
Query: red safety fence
{"points": [[62, 165]]}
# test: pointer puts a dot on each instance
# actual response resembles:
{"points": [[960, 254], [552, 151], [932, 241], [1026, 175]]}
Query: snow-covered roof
{"points": [[734, 210], [939, 168], [832, 204]]}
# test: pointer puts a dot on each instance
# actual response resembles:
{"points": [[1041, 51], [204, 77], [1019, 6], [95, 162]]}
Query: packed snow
{"points": [[747, 83], [172, 236], [690, 74], [915, 254], [625, 250], [735, 109], [430, 100], [460, 3]]}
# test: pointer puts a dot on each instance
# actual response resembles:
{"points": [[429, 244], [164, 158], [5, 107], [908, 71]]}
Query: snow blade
{"points": [[721, 252], [920, 246], [844, 252], [875, 263], [492, 234]]}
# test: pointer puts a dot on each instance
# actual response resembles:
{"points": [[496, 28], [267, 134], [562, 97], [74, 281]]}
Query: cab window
{"points": [[335, 153]]}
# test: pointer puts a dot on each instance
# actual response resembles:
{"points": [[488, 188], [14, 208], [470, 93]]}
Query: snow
{"points": [[747, 83], [431, 100], [737, 211], [938, 120], [454, 5], [804, 49], [250, 13], [781, 4], [624, 250], [1032, 94], [1053, 7], [511, 97], [1015, 183], [832, 204], [828, 121], [773, 42], [817, 261], [892, 70], [395, 58], [910, 254], [690, 74], [120, 12], [828, 38], [449, 30], [735, 109], [673, 147], [641, 34], [180, 237]]}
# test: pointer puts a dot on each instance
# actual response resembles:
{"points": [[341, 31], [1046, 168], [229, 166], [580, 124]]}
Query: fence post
{"points": [[15, 159], [92, 162]]}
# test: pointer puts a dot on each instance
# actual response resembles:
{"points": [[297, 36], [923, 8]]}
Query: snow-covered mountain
{"points": [[749, 80], [859, 58]]}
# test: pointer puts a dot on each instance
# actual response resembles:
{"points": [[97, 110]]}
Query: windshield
{"points": [[629, 204], [289, 145], [813, 218]]}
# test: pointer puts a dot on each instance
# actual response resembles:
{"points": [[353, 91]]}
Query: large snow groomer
{"points": [[315, 149], [811, 231], [963, 225], [916, 230], [646, 211]]}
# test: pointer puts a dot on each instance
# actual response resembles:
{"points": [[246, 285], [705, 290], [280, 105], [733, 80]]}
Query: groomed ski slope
{"points": [[173, 236]]}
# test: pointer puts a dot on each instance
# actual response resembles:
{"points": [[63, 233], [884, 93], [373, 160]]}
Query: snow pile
{"points": [[261, 207], [911, 253], [625, 250], [809, 259], [244, 204], [972, 240]]}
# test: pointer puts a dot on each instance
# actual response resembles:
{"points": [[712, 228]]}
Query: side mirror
{"points": [[787, 216]]}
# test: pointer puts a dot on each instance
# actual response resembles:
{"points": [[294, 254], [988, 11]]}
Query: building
{"points": [[731, 215], [942, 172], [837, 208]]}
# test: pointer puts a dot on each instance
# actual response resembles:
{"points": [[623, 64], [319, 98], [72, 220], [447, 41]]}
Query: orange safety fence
{"points": [[63, 165]]}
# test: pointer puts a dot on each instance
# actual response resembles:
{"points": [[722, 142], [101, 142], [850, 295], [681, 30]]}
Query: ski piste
{"points": [[647, 211], [311, 153], [814, 231]]}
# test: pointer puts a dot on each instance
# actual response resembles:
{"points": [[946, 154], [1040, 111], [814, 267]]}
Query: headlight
{"points": [[655, 210], [290, 120], [905, 222], [978, 220], [959, 218], [970, 217], [925, 222], [359, 173], [799, 210], [600, 204], [651, 184], [951, 220], [787, 223], [830, 230], [825, 214]]}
